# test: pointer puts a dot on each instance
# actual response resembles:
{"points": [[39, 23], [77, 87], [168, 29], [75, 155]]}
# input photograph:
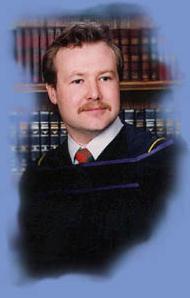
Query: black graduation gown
{"points": [[80, 217]]}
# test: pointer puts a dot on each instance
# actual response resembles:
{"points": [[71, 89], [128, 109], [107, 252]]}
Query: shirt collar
{"points": [[99, 143]]}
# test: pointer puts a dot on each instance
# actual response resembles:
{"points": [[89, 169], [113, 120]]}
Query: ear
{"points": [[52, 93]]}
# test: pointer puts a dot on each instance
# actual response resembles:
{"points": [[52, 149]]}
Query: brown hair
{"points": [[75, 35]]}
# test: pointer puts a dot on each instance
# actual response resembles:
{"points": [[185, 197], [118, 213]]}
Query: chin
{"points": [[98, 128], [100, 125]]}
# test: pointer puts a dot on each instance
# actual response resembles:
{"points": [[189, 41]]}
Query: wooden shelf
{"points": [[124, 86], [148, 85]]}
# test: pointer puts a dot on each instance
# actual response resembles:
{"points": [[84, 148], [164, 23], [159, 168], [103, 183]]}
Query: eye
{"points": [[105, 78], [77, 81]]}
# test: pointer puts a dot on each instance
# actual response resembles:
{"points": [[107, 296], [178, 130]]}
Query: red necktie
{"points": [[83, 155]]}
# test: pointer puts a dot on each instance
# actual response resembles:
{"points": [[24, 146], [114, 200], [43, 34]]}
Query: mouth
{"points": [[95, 109]]}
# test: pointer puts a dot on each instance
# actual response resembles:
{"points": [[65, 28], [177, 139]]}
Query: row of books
{"points": [[132, 20], [30, 138], [34, 135], [160, 122], [143, 61]]}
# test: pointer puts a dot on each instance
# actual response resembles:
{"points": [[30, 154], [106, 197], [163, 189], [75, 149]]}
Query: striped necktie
{"points": [[83, 155]]}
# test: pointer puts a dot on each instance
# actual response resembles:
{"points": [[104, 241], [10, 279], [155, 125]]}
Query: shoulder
{"points": [[54, 157], [141, 141], [38, 174]]}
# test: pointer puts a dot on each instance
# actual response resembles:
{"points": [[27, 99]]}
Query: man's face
{"points": [[87, 90]]}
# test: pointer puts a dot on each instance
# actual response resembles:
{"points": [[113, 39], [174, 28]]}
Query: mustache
{"points": [[93, 105]]}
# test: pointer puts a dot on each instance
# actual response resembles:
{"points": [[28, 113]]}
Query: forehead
{"points": [[96, 55]]}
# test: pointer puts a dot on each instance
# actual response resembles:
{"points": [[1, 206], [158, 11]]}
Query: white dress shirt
{"points": [[99, 143]]}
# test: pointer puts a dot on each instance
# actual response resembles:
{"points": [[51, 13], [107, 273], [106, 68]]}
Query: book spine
{"points": [[62, 130], [129, 115], [164, 63], [19, 50], [43, 48], [150, 120], [28, 54], [116, 36], [145, 55], [35, 151], [161, 130], [135, 55], [13, 138], [170, 122], [139, 118], [50, 35], [22, 141], [154, 57], [58, 31], [125, 40], [44, 131], [54, 130], [36, 55]]}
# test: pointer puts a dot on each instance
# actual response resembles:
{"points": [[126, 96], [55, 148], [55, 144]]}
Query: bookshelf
{"points": [[148, 75], [124, 86]]}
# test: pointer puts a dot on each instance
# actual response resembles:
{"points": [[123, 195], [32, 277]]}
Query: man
{"points": [[103, 188]]}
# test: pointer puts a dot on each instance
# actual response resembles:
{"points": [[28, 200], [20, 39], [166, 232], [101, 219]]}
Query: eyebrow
{"points": [[108, 71], [83, 74]]}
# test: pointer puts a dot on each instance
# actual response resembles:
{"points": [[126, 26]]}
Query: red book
{"points": [[135, 55], [125, 47], [145, 54]]}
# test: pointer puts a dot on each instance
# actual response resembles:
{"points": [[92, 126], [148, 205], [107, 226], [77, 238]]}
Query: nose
{"points": [[93, 91]]}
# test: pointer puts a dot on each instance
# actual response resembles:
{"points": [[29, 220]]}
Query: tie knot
{"points": [[83, 155]]}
